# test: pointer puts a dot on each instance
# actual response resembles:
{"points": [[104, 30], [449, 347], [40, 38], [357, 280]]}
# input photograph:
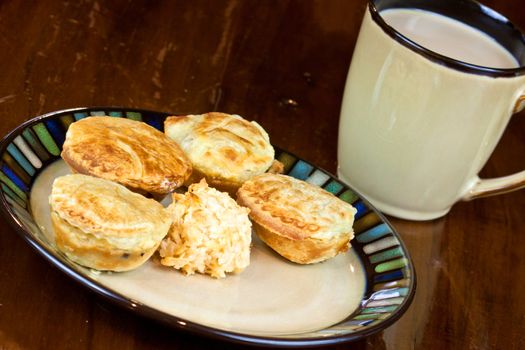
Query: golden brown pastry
{"points": [[129, 152], [300, 221], [210, 233], [224, 149], [103, 225]]}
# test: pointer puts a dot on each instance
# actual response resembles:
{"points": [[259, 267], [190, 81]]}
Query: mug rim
{"points": [[445, 60]]}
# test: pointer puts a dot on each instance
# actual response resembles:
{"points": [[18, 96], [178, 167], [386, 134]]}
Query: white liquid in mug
{"points": [[449, 37]]}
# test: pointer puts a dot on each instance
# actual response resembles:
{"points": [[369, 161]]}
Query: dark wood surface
{"points": [[282, 63]]}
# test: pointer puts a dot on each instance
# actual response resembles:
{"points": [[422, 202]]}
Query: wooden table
{"points": [[282, 63]]}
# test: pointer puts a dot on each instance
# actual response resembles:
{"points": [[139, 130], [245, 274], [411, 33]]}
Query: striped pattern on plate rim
{"points": [[382, 254], [380, 250]]}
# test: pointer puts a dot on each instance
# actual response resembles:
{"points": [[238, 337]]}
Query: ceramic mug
{"points": [[417, 126]]}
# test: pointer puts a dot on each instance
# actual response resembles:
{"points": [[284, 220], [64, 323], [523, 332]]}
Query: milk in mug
{"points": [[449, 37]]}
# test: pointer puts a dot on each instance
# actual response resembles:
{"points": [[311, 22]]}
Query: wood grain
{"points": [[282, 63]]}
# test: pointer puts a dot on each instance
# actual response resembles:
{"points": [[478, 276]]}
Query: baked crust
{"points": [[103, 225], [304, 251], [94, 253], [300, 221], [224, 149], [129, 152]]}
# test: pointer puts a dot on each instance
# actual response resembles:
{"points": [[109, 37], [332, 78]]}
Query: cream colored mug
{"points": [[431, 87]]}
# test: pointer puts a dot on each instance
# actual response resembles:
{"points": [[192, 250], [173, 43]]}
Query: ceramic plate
{"points": [[273, 302]]}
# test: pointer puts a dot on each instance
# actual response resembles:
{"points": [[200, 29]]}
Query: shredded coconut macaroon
{"points": [[210, 234]]}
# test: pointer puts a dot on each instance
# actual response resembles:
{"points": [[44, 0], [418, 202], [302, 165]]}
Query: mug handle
{"points": [[498, 185]]}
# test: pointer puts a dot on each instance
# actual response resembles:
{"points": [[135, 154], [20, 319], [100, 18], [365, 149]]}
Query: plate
{"points": [[273, 302]]}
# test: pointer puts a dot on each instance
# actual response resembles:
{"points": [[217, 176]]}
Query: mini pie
{"points": [[129, 152], [224, 149], [300, 221], [210, 233], [103, 225]]}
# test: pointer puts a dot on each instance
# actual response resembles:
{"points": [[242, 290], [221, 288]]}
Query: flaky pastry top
{"points": [[127, 151], [103, 208], [294, 208], [221, 145]]}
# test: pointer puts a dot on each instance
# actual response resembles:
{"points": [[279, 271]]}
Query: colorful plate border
{"points": [[391, 279]]}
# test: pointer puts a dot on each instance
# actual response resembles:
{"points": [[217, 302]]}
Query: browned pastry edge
{"points": [[276, 168], [305, 251], [222, 185], [158, 196], [96, 258], [230, 187]]}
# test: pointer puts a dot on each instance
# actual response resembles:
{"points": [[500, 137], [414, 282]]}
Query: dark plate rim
{"points": [[174, 321]]}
